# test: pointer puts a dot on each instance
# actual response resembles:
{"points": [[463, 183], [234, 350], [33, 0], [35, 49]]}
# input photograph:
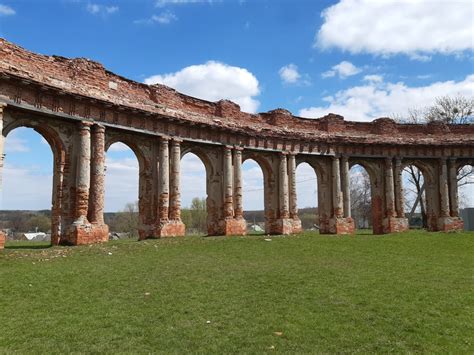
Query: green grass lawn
{"points": [[309, 293]]}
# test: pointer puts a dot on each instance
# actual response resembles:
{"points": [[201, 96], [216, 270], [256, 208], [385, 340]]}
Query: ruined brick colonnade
{"points": [[81, 109]]}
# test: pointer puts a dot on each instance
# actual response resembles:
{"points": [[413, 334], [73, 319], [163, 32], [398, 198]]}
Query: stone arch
{"points": [[305, 223], [146, 203], [374, 169], [61, 159], [270, 185], [206, 162], [428, 169], [202, 155], [462, 168], [323, 170]]}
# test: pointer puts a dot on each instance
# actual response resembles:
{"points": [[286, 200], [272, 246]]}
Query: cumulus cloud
{"points": [[388, 27], [289, 74], [6, 10], [376, 99], [97, 9], [25, 188], [214, 81], [343, 70]]}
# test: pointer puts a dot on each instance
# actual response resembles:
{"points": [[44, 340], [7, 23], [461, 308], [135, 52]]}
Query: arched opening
{"points": [[194, 200], [253, 196], [414, 196], [361, 197], [28, 200], [307, 196], [465, 180], [122, 191]]}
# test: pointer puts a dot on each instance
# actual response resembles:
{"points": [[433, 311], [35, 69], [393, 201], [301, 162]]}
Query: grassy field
{"points": [[309, 293]]}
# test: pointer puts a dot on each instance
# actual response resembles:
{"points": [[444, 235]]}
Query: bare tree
{"points": [[361, 203], [451, 110]]}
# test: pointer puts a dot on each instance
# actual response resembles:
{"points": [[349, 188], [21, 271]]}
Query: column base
{"points": [[340, 226], [2, 240], [82, 234], [395, 225], [230, 226], [450, 224], [297, 228], [170, 228], [282, 226], [146, 231]]}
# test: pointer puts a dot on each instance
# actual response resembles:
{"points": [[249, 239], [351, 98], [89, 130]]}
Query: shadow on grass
{"points": [[27, 245]]}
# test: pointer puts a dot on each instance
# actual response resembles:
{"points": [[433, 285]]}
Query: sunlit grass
{"points": [[406, 293]]}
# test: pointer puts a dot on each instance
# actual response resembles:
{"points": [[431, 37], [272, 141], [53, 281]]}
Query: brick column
{"points": [[175, 194], [292, 186], [453, 188], [399, 199], [2, 156], [443, 188], [83, 173], [2, 142], [238, 205], [346, 192], [336, 191], [283, 187], [228, 186], [163, 181], [96, 201], [389, 188]]}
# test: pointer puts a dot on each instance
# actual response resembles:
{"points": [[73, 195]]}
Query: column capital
{"points": [[443, 159], [2, 106], [164, 139], [238, 148], [85, 125], [176, 141], [98, 128], [452, 160], [398, 160]]}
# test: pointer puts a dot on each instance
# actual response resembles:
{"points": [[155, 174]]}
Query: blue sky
{"points": [[362, 59]]}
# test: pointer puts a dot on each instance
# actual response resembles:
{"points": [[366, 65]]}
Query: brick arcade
{"points": [[80, 108]]}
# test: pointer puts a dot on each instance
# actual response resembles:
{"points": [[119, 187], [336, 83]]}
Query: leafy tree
{"points": [[39, 222], [127, 221], [195, 217]]}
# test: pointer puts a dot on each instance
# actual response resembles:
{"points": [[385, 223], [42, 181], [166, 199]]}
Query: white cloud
{"points": [[388, 27], [97, 9], [164, 18], [373, 78], [6, 10], [162, 3], [25, 188], [380, 99], [289, 74], [14, 143], [343, 70], [214, 81]]}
